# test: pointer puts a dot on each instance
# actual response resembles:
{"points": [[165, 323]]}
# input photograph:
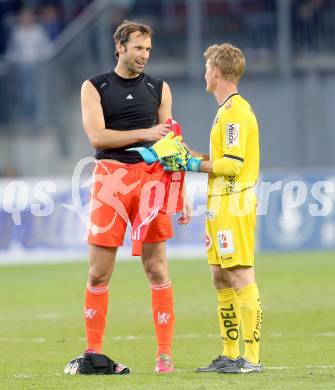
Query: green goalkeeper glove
{"points": [[166, 146], [182, 161]]}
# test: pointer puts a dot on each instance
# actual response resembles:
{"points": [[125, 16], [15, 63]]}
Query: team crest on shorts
{"points": [[225, 241], [210, 214], [208, 242]]}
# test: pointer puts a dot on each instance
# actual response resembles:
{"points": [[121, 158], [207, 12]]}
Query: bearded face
{"points": [[134, 54]]}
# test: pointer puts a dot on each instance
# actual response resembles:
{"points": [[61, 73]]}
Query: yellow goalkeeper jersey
{"points": [[234, 136]]}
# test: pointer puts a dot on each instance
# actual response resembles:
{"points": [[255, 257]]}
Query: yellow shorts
{"points": [[230, 227]]}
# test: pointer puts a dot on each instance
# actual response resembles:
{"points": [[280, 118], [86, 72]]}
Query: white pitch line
{"points": [[200, 336], [48, 316], [297, 368], [325, 334], [22, 340], [134, 370], [149, 337], [36, 375], [178, 336]]}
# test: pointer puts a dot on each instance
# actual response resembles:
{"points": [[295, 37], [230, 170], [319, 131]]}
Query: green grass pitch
{"points": [[41, 326]]}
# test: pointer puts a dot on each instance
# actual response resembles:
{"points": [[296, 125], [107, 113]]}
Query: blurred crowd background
{"points": [[48, 48]]}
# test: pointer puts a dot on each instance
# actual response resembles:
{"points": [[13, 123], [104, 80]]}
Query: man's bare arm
{"points": [[94, 124], [165, 109]]}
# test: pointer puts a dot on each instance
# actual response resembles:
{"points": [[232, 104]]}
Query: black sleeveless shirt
{"points": [[128, 104]]}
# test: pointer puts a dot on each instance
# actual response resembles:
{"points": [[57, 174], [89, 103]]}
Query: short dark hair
{"points": [[127, 27]]}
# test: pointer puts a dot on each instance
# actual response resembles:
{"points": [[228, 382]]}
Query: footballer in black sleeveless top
{"points": [[128, 104], [121, 109]]}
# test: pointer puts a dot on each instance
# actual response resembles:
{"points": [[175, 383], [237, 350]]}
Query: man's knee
{"points": [[101, 265], [241, 276], [98, 278], [156, 270], [220, 278], [155, 263], [157, 274], [220, 283]]}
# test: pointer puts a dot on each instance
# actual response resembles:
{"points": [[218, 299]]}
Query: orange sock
{"points": [[163, 315], [96, 302]]}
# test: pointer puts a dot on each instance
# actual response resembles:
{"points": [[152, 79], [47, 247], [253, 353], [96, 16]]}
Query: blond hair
{"points": [[127, 27], [228, 59]]}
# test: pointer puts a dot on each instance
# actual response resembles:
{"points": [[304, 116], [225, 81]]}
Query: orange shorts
{"points": [[115, 200]]}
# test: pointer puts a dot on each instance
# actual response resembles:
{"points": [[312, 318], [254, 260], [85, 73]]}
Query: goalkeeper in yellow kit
{"points": [[232, 168]]}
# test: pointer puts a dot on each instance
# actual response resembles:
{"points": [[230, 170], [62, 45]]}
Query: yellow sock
{"points": [[229, 319], [251, 320]]}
